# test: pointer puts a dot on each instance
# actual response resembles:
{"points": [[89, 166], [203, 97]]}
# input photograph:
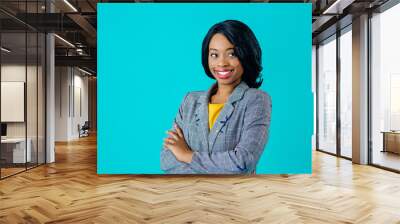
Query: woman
{"points": [[225, 129]]}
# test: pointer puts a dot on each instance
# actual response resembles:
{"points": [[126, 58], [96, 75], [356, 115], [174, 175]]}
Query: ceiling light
{"points": [[337, 7], [331, 7], [5, 50], [84, 71], [65, 41], [70, 5]]}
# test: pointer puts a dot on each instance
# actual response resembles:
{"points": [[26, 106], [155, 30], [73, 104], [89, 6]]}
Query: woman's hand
{"points": [[177, 144]]}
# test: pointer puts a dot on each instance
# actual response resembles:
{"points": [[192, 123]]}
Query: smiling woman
{"points": [[223, 130]]}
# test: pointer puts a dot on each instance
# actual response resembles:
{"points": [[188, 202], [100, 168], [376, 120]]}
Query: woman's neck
{"points": [[223, 93]]}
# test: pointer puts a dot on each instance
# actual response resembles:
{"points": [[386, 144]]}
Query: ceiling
{"points": [[329, 16], [74, 21]]}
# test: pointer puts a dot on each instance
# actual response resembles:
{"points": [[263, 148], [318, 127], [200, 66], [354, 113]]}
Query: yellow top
{"points": [[213, 111]]}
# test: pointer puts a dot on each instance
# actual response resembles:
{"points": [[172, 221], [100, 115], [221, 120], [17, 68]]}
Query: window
{"points": [[346, 74], [327, 95], [385, 88]]}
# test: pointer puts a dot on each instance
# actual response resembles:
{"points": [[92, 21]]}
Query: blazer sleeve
{"points": [[244, 157], [168, 161]]}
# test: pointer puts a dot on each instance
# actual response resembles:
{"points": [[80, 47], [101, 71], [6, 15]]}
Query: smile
{"points": [[223, 73]]}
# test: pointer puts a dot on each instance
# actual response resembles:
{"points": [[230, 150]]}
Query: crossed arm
{"points": [[176, 154]]}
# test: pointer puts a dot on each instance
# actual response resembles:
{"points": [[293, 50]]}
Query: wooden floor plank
{"points": [[70, 191]]}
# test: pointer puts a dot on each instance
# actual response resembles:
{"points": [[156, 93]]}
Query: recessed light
{"points": [[5, 50], [84, 71], [71, 6], [64, 40]]}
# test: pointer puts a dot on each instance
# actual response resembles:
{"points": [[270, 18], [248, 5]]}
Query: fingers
{"points": [[173, 135], [169, 141], [178, 130]]}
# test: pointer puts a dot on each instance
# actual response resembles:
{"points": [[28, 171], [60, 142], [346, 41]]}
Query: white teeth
{"points": [[223, 73]]}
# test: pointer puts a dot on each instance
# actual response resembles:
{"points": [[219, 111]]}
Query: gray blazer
{"points": [[235, 142]]}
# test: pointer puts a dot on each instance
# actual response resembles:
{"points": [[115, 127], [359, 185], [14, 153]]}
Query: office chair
{"points": [[84, 130]]}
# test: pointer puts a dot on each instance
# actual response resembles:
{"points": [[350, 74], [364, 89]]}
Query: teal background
{"points": [[149, 57]]}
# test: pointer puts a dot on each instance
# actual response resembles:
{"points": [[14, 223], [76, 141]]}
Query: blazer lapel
{"points": [[225, 113]]}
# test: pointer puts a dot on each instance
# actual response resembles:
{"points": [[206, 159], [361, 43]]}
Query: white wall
{"points": [[314, 92], [71, 102], [80, 103], [62, 81]]}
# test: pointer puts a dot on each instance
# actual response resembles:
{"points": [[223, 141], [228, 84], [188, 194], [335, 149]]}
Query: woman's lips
{"points": [[223, 73]]}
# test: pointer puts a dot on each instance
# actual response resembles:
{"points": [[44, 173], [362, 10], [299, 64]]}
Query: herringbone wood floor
{"points": [[70, 191]]}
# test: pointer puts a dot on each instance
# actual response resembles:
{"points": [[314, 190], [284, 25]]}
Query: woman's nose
{"points": [[222, 61]]}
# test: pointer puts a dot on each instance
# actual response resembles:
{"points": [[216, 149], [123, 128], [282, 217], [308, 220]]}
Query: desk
{"points": [[16, 147], [391, 141]]}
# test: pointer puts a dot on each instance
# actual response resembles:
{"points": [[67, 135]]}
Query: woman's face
{"points": [[222, 61]]}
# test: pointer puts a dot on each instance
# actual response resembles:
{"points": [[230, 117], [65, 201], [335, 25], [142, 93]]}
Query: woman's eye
{"points": [[213, 55], [232, 54]]}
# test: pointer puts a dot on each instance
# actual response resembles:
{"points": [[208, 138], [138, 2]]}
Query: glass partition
{"points": [[22, 77], [14, 153]]}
